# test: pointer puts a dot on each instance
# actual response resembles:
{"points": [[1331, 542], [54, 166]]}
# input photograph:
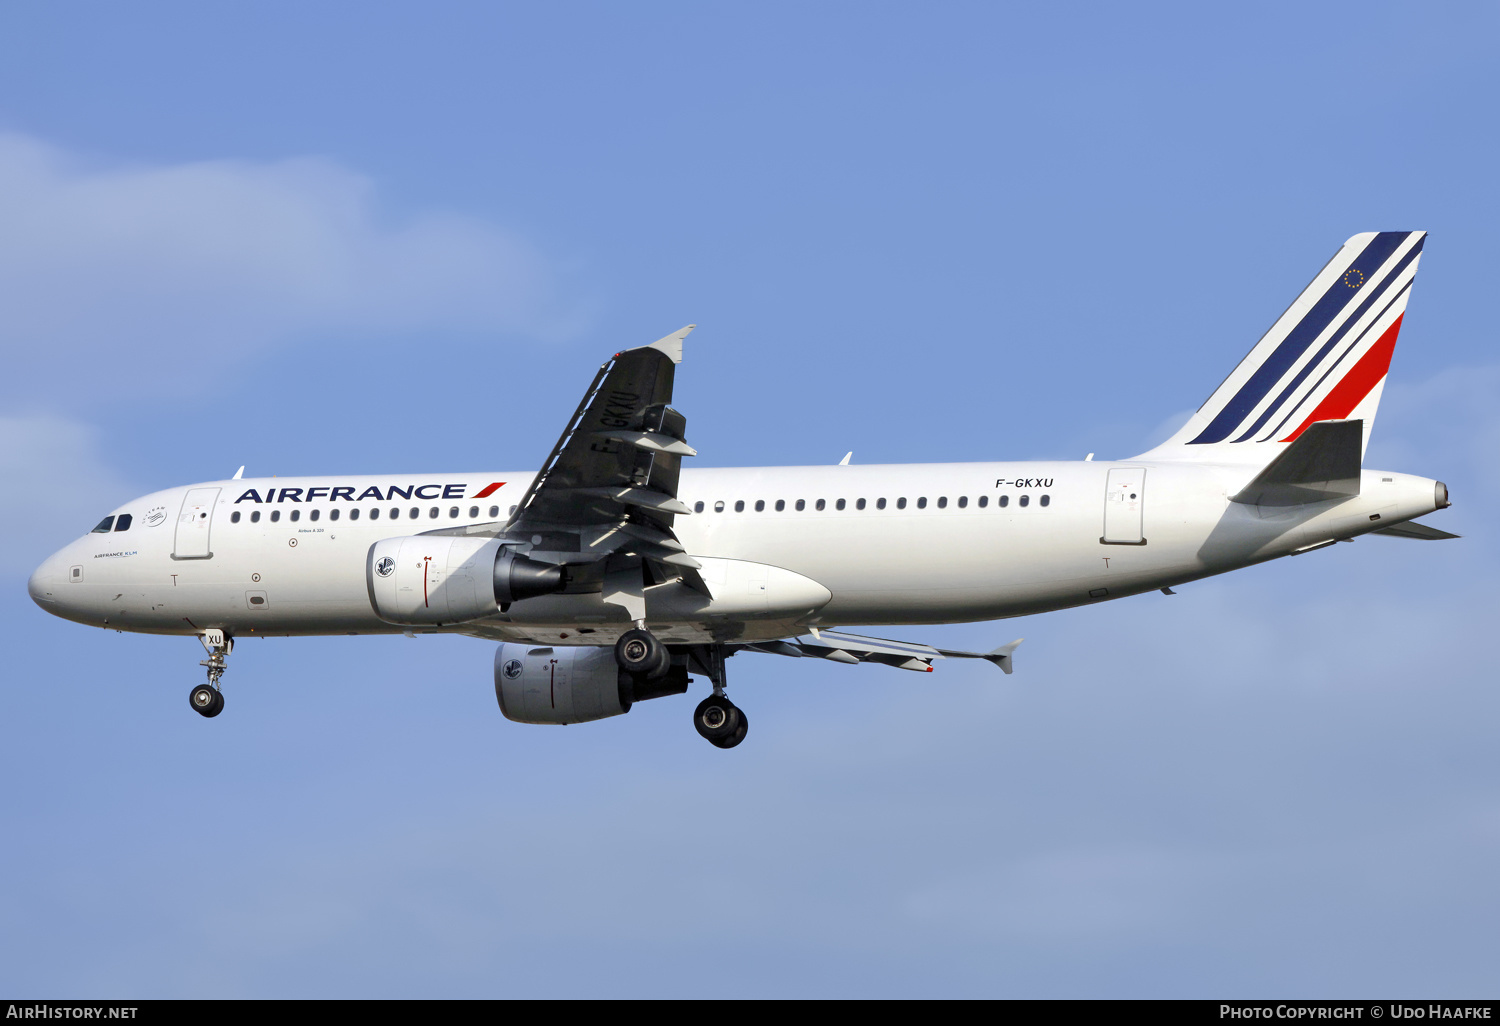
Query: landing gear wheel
{"points": [[641, 653], [737, 736], [206, 701], [717, 719]]}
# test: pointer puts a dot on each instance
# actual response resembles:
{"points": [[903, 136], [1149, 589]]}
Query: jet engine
{"points": [[438, 579], [572, 684]]}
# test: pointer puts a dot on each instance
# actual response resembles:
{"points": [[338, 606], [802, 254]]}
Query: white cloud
{"points": [[163, 274]]}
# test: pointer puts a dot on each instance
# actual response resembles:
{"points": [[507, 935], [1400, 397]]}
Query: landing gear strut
{"points": [[206, 699], [722, 723]]}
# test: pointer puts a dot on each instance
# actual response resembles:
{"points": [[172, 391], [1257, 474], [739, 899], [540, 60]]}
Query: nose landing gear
{"points": [[206, 699]]}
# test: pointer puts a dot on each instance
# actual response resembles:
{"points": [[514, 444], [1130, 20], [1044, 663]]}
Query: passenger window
{"points": [[880, 504], [719, 506], [513, 511], [375, 513], [984, 500], [122, 522], [333, 514], [315, 514], [780, 505], [413, 513], [275, 515], [494, 511], [901, 502], [942, 502], [698, 506], [354, 513], [255, 516], [760, 505], [453, 513], [963, 502], [473, 512], [859, 503], [432, 513], [739, 505], [1046, 500], [104, 526], [234, 517], [801, 505], [1025, 500], [922, 502], [819, 505], [839, 504], [1004, 501], [296, 515]]}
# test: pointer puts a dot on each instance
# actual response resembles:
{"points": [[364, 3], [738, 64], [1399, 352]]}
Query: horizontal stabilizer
{"points": [[1412, 529], [1323, 463]]}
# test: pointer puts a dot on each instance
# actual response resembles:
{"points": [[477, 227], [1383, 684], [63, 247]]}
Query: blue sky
{"points": [[380, 238]]}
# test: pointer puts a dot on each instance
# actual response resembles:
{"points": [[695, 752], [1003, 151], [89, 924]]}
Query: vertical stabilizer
{"points": [[1324, 359]]}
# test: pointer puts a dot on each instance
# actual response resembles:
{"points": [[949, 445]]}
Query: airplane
{"points": [[613, 575]]}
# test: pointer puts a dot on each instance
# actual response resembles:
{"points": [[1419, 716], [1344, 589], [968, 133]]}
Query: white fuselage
{"points": [[922, 549]]}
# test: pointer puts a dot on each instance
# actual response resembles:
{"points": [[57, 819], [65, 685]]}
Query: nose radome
{"points": [[43, 584]]}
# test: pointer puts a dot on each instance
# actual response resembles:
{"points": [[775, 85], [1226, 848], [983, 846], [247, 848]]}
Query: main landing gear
{"points": [[206, 699], [643, 655], [720, 721]]}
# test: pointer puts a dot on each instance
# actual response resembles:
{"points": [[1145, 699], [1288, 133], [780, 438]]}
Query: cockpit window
{"points": [[122, 522], [104, 526]]}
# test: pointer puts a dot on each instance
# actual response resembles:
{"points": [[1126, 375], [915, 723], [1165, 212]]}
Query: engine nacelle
{"points": [[438, 579], [572, 684]]}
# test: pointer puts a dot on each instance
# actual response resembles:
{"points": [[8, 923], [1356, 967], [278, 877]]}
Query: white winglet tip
{"points": [[672, 344], [238, 474], [847, 457], [1001, 656]]}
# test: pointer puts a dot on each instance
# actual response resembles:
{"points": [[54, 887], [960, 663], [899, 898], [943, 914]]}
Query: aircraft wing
{"points": [[851, 648], [605, 499]]}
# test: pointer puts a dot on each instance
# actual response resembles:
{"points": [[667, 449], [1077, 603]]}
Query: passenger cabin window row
{"points": [[800, 505], [295, 515]]}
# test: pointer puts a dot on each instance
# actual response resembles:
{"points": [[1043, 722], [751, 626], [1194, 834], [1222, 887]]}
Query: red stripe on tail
{"points": [[1358, 383]]}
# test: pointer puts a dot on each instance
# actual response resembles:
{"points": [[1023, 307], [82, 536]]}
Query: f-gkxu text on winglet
{"points": [[611, 574]]}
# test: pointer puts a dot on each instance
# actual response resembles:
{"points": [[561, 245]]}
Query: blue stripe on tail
{"points": [[1328, 306]]}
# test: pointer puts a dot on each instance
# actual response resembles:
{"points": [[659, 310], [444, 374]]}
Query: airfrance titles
{"points": [[341, 493]]}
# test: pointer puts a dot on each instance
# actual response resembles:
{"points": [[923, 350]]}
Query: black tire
{"points": [[641, 653], [739, 732], [716, 718], [206, 701]]}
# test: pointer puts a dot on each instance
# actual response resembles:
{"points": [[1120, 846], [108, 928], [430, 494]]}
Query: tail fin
{"points": [[1324, 359]]}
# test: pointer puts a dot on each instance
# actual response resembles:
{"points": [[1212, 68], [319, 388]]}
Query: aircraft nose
{"points": [[44, 583]]}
